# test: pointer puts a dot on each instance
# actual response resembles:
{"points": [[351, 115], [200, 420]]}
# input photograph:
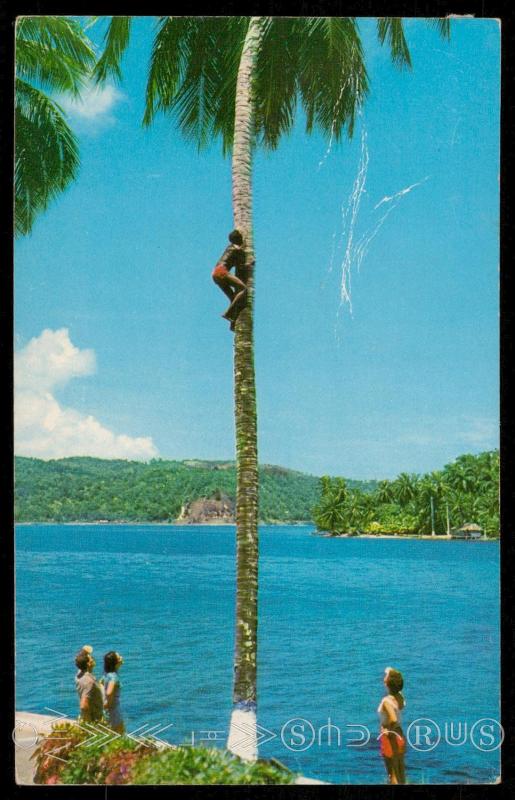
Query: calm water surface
{"points": [[333, 614]]}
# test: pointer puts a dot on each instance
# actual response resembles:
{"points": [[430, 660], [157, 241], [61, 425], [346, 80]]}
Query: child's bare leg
{"points": [[238, 288], [235, 290], [228, 291], [235, 282], [236, 305]]}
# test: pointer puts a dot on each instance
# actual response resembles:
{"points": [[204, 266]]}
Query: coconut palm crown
{"points": [[194, 65]]}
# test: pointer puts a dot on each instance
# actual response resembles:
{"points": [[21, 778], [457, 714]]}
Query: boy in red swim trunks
{"points": [[232, 285]]}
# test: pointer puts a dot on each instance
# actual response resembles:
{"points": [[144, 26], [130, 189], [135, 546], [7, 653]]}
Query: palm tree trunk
{"points": [[243, 731]]}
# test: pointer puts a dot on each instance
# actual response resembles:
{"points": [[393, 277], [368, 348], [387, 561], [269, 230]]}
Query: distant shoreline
{"points": [[113, 523], [441, 537], [438, 537]]}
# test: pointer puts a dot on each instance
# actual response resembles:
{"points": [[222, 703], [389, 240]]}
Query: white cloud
{"points": [[94, 105], [44, 428], [462, 432], [480, 431], [51, 360]]}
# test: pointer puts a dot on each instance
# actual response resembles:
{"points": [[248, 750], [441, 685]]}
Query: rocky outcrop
{"points": [[212, 510]]}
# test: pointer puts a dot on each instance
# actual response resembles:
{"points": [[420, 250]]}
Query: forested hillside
{"points": [[89, 489]]}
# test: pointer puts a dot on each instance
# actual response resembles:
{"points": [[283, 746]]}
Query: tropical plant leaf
{"points": [[52, 53], [332, 74], [391, 29], [275, 84], [194, 65], [443, 25], [229, 57], [194, 103], [59, 34], [46, 157], [192, 76], [165, 66], [116, 41], [50, 69]]}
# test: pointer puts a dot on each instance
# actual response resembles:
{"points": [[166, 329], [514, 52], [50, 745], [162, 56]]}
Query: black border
{"points": [[500, 9]]}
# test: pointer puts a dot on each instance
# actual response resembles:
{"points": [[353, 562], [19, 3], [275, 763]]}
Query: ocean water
{"points": [[333, 614]]}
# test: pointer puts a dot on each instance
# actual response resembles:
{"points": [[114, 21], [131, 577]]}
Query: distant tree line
{"points": [[89, 489], [467, 490]]}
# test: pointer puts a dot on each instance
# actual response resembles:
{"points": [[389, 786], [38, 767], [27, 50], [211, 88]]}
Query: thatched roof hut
{"points": [[470, 530]]}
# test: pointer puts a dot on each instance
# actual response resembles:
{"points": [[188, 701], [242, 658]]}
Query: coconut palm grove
{"points": [[249, 93]]}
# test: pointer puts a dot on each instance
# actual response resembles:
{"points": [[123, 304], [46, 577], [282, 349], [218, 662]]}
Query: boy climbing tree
{"points": [[232, 285]]}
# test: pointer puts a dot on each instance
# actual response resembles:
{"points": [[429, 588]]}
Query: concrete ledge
{"points": [[27, 728]]}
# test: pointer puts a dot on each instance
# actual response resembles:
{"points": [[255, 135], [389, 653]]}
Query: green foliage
{"points": [[53, 751], [198, 765], [467, 490], [90, 489], [341, 510], [392, 30], [52, 54], [127, 761], [115, 43], [194, 66], [316, 62], [101, 763]]}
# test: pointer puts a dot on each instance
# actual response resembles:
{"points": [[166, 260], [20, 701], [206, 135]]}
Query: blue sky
{"points": [[121, 350]]}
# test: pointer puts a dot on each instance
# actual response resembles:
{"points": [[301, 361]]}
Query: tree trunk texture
{"points": [[243, 732]]}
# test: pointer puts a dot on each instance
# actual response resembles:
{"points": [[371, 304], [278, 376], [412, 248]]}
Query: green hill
{"points": [[88, 489]]}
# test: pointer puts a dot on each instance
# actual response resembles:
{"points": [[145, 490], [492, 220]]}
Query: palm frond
{"points": [[333, 79], [194, 66], [52, 52], [443, 26], [391, 29], [46, 156], [166, 65], [190, 74], [59, 34], [228, 59], [116, 41], [275, 82], [195, 103], [92, 21], [49, 68]]}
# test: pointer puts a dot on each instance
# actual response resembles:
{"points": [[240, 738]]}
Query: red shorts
{"points": [[392, 744], [220, 272]]}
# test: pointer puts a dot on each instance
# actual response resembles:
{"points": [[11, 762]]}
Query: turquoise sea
{"points": [[333, 614]]}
